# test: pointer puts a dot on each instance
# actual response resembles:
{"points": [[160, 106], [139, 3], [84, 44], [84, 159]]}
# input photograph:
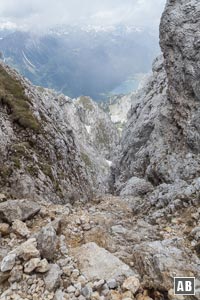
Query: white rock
{"points": [[43, 266], [27, 250], [96, 262], [52, 279], [131, 284], [112, 284], [20, 228], [71, 289], [31, 265], [8, 262]]}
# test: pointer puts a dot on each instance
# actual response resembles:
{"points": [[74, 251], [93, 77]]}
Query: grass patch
{"points": [[46, 169], [21, 148], [16, 162], [5, 173], [32, 170], [12, 95], [85, 101], [102, 138], [86, 160]]}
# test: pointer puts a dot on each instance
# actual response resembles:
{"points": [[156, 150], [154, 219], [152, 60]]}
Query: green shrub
{"points": [[86, 159], [12, 95], [85, 101], [46, 169]]}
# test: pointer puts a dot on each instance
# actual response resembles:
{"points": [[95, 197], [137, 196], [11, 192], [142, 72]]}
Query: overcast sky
{"points": [[38, 14]]}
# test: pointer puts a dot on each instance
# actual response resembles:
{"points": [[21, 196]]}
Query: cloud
{"points": [[41, 14]]}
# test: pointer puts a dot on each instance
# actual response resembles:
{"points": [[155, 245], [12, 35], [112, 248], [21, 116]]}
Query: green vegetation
{"points": [[86, 160], [85, 101], [16, 162], [46, 169], [12, 95], [20, 151], [32, 170], [102, 137], [5, 172], [21, 148]]}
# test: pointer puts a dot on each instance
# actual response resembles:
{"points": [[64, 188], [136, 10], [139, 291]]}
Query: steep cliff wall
{"points": [[161, 140], [46, 148]]}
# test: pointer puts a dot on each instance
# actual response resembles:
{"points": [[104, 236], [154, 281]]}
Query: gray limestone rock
{"points": [[159, 262], [52, 278], [136, 187], [8, 262], [161, 140], [12, 210], [46, 242], [97, 263]]}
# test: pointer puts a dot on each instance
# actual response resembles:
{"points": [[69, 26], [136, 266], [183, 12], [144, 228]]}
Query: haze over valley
{"points": [[105, 52]]}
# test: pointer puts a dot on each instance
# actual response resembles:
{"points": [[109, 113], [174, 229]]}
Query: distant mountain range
{"points": [[93, 61]]}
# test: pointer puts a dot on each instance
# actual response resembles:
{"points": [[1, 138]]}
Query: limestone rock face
{"points": [[141, 131], [100, 131], [161, 139], [179, 40]]}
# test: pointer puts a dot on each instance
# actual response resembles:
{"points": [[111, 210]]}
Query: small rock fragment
{"points": [[46, 241], [132, 284], [27, 250], [112, 284], [43, 266], [20, 228], [86, 291], [4, 229], [31, 265], [8, 262], [52, 279], [71, 289], [114, 295], [2, 197], [98, 284], [16, 274]]}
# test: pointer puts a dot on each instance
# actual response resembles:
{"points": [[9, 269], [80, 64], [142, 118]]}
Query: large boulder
{"points": [[159, 262], [22, 210], [136, 187], [97, 263], [46, 242]]}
